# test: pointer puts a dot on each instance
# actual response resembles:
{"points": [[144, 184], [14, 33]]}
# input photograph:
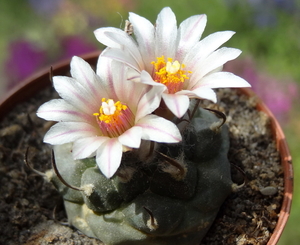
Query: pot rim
{"points": [[286, 162], [33, 84]]}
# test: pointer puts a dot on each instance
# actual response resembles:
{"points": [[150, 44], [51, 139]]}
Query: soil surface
{"points": [[32, 212]]}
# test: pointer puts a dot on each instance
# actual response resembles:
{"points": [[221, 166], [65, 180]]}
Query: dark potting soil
{"points": [[32, 212]]}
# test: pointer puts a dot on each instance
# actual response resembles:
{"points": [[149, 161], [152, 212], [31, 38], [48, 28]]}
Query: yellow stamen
{"points": [[171, 74]]}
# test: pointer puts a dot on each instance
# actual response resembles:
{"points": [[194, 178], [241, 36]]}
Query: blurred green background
{"points": [[36, 33]]}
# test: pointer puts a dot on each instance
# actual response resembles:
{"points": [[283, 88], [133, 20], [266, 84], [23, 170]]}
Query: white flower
{"points": [[174, 57], [104, 115]]}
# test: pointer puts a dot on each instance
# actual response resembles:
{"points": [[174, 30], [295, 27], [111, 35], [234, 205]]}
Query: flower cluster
{"points": [[109, 112]]}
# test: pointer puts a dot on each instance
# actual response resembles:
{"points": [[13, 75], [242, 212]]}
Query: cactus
{"points": [[154, 167], [169, 194]]}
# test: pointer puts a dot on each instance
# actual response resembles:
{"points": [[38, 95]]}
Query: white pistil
{"points": [[172, 67], [108, 108]]}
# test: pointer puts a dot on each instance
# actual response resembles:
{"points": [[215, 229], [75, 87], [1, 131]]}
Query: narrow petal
{"points": [[101, 36], [104, 70], [132, 137], [201, 93], [205, 47], [222, 80], [189, 33], [60, 110], [146, 78], [177, 103], [144, 33], [74, 93], [109, 156], [213, 61], [159, 129], [133, 75], [117, 84], [84, 74], [123, 88], [149, 101], [122, 56], [87, 147], [166, 33], [65, 132], [129, 45]]}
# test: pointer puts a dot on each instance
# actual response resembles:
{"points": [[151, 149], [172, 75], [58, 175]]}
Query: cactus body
{"points": [[151, 202]]}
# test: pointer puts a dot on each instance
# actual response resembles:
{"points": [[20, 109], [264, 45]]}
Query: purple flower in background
{"points": [[277, 95], [76, 46], [24, 59]]}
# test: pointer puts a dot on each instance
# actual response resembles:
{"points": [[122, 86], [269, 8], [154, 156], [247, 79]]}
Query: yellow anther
{"points": [[114, 118], [171, 74]]}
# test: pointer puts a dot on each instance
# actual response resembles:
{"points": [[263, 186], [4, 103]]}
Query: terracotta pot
{"points": [[286, 162], [41, 80]]}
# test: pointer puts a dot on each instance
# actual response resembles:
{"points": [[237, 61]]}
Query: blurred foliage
{"points": [[291, 234], [274, 45]]}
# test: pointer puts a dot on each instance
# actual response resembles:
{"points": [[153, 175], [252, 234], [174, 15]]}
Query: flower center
{"points": [[114, 118], [171, 74]]}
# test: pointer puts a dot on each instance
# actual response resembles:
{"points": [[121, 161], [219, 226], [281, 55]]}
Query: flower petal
{"points": [[149, 101], [144, 33], [85, 75], [104, 70], [201, 93], [222, 80], [177, 103], [60, 110], [146, 78], [189, 33], [65, 132], [129, 45], [122, 56], [87, 147], [109, 156], [205, 47], [213, 61], [101, 36], [123, 88], [74, 93], [132, 137], [115, 76], [165, 33], [159, 129]]}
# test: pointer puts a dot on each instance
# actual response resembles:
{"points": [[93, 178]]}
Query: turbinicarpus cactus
{"points": [[136, 160], [171, 198]]}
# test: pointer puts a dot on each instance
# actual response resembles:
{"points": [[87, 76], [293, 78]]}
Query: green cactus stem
{"points": [[171, 199]]}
